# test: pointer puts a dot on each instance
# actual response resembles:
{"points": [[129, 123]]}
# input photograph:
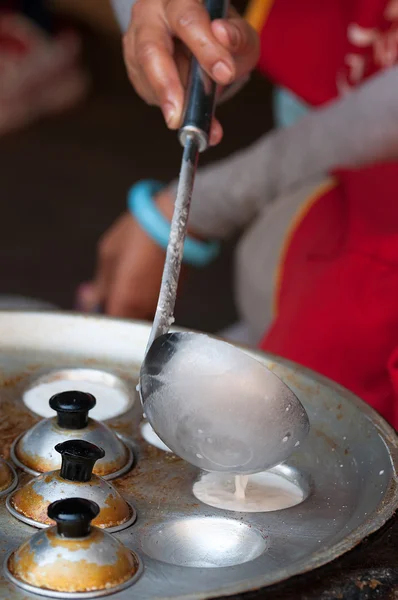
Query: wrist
{"points": [[164, 201], [152, 208]]}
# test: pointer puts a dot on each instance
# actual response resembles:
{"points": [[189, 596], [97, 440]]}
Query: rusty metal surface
{"points": [[88, 565], [350, 457], [35, 452], [30, 502], [8, 478]]}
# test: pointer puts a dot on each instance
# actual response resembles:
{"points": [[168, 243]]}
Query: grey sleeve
{"points": [[358, 129]]}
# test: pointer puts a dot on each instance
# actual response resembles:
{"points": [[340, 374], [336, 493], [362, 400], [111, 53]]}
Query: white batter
{"points": [[111, 401], [266, 491], [241, 482], [152, 438]]}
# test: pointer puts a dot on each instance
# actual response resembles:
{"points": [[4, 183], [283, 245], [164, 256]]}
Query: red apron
{"points": [[338, 294]]}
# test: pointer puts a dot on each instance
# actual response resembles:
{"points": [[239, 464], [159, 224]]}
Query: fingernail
{"points": [[222, 72], [169, 113], [215, 134], [233, 34], [213, 137]]}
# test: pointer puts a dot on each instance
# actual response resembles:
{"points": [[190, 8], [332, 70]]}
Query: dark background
{"points": [[64, 180]]}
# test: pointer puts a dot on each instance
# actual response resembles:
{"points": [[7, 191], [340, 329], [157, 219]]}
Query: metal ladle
{"points": [[210, 403]]}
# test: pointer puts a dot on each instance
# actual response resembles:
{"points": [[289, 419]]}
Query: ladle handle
{"points": [[72, 408], [73, 516], [194, 137], [78, 459], [201, 94]]}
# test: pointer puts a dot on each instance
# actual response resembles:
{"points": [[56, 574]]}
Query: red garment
{"points": [[338, 300], [319, 48]]}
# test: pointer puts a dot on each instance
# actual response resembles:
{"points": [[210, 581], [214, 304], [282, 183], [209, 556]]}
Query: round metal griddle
{"points": [[190, 550]]}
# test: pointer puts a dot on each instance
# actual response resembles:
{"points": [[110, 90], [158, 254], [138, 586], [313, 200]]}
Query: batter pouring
{"points": [[241, 482], [260, 492]]}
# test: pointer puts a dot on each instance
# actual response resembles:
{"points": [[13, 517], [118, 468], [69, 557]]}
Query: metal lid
{"points": [[30, 502], [34, 451], [8, 478], [73, 559]]}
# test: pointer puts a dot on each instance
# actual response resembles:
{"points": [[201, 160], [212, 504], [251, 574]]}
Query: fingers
{"points": [[153, 62], [216, 133], [134, 290], [155, 51], [148, 52], [128, 274], [190, 22], [92, 295], [241, 40], [87, 298]]}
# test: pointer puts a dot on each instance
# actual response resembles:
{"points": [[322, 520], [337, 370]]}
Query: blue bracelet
{"points": [[141, 205]]}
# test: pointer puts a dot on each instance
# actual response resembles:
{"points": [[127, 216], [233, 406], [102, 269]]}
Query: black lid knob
{"points": [[72, 408], [73, 516], [78, 459]]}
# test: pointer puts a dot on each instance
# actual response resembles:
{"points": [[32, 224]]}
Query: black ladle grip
{"points": [[73, 516], [201, 92]]}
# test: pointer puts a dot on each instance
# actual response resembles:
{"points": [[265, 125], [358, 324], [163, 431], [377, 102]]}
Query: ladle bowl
{"points": [[217, 407]]}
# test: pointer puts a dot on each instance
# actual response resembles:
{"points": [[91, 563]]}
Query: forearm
{"points": [[359, 129]]}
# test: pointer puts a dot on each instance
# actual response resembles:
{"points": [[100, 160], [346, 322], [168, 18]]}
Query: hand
{"points": [[129, 269], [157, 61]]}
